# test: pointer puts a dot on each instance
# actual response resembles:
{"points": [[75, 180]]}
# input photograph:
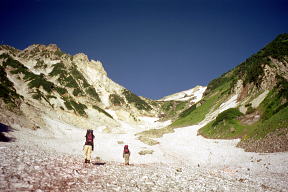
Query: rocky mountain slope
{"points": [[42, 80], [261, 85]]}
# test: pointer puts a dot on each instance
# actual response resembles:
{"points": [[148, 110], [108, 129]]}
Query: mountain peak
{"points": [[41, 47], [9, 49]]}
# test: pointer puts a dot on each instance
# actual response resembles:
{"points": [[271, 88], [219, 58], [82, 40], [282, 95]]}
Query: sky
{"points": [[152, 47]]}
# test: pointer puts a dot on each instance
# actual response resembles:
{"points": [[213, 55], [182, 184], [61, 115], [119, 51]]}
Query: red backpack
{"points": [[89, 137], [126, 150]]}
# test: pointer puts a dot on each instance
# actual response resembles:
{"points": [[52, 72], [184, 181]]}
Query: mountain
{"points": [[43, 82], [260, 87], [48, 99], [41, 86], [248, 102]]}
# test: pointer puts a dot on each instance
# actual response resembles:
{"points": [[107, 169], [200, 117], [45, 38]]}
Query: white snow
{"points": [[183, 147], [195, 94], [231, 103], [256, 102], [152, 123]]}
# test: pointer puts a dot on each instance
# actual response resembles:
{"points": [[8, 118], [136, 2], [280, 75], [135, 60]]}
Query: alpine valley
{"points": [[214, 134]]}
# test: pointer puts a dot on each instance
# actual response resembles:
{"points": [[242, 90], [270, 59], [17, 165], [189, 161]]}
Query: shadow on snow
{"points": [[5, 129]]}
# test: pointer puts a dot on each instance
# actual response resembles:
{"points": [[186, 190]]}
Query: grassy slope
{"points": [[273, 110], [232, 128], [194, 114], [225, 126], [219, 89]]}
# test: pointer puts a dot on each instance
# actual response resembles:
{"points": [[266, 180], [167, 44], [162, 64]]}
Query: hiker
{"points": [[126, 154], [89, 145]]}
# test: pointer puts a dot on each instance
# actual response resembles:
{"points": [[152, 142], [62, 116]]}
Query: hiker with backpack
{"points": [[89, 145], [126, 154]]}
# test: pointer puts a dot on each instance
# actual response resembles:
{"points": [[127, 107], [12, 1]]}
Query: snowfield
{"points": [[51, 159]]}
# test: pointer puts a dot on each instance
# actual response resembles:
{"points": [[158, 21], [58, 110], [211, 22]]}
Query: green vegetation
{"points": [[276, 100], [102, 111], [59, 53], [61, 90], [147, 140], [251, 69], [78, 108], [274, 113], [250, 110], [79, 77], [154, 133], [137, 101], [92, 92], [170, 109], [64, 78], [273, 109], [40, 65], [37, 81], [215, 83], [225, 126], [34, 81], [12, 50], [227, 115], [74, 79], [58, 69], [7, 90], [38, 95], [192, 115], [70, 82], [278, 120], [188, 111], [145, 152], [195, 115], [116, 100], [77, 92]]}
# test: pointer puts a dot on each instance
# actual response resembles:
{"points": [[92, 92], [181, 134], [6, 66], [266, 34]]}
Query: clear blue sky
{"points": [[152, 47]]}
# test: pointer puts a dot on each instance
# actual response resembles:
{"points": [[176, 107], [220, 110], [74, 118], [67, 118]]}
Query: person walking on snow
{"points": [[89, 145], [126, 154]]}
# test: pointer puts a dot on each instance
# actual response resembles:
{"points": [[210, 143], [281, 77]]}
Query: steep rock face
{"points": [[94, 72], [69, 88]]}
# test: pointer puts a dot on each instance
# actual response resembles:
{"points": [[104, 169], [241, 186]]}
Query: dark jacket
{"points": [[88, 142], [126, 150]]}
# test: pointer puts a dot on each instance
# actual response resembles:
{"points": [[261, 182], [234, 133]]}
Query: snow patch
{"points": [[194, 95], [256, 102]]}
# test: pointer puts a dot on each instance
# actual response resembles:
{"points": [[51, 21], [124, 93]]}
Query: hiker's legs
{"points": [[126, 158], [87, 152]]}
